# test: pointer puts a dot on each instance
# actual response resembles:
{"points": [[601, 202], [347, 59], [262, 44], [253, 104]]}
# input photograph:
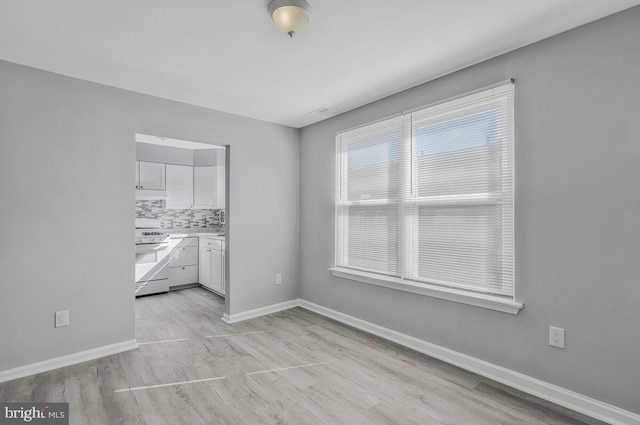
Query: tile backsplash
{"points": [[177, 219]]}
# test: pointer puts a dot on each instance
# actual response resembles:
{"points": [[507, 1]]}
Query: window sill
{"points": [[491, 302]]}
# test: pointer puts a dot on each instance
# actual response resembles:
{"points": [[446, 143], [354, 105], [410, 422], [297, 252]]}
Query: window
{"points": [[424, 201]]}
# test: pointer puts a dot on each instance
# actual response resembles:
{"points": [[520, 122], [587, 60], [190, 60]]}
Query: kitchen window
{"points": [[425, 201]]}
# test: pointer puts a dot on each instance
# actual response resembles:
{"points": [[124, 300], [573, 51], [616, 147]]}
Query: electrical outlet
{"points": [[556, 337], [62, 318], [278, 279]]}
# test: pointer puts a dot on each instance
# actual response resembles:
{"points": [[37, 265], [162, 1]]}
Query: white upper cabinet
{"points": [[150, 175], [187, 187], [204, 187], [220, 187], [179, 186]]}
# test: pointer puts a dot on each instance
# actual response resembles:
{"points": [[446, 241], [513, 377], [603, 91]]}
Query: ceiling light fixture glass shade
{"points": [[290, 16]]}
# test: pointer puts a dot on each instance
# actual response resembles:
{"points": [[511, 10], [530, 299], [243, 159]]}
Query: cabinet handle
{"points": [[183, 268]]}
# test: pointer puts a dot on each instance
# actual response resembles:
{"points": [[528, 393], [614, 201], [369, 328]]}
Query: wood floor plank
{"points": [[314, 371]]}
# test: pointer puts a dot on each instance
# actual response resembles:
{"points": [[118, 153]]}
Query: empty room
{"points": [[320, 212]]}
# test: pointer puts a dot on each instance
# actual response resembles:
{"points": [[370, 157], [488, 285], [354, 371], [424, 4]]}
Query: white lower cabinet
{"points": [[183, 261], [183, 275], [204, 266], [211, 264], [217, 270], [185, 255]]}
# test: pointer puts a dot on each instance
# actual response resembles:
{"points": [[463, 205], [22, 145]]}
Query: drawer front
{"points": [[211, 243], [183, 242], [152, 287], [184, 256], [183, 275]]}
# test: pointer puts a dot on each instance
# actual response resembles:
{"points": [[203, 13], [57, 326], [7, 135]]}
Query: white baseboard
{"points": [[262, 311], [558, 395], [68, 360]]}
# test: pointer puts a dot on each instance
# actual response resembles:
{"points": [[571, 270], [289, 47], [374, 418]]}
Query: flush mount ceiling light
{"points": [[290, 16]]}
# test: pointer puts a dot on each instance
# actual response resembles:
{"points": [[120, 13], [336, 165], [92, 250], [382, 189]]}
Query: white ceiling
{"points": [[228, 54]]}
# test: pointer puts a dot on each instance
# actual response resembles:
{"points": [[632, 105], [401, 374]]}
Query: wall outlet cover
{"points": [[556, 337], [62, 318]]}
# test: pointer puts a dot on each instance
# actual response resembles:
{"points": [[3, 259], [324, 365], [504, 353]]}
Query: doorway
{"points": [[181, 193]]}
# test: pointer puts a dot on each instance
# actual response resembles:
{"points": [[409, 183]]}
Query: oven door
{"points": [[152, 262]]}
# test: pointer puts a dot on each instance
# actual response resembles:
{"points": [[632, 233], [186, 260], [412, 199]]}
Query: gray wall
{"points": [[67, 155], [577, 216]]}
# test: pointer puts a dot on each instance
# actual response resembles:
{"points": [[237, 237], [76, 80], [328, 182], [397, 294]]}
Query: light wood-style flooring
{"points": [[292, 367]]}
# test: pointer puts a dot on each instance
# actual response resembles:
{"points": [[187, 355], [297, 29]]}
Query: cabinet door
{"points": [[184, 256], [183, 275], [217, 270], [204, 267], [152, 175], [179, 186], [220, 187], [223, 281], [137, 174], [204, 187]]}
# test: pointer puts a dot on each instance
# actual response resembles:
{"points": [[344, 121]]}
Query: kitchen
{"points": [[180, 216]]}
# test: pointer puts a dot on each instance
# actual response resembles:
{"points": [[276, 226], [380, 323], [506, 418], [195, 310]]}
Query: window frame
{"points": [[409, 197]]}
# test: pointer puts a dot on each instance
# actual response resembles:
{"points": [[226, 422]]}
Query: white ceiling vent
{"points": [[318, 111]]}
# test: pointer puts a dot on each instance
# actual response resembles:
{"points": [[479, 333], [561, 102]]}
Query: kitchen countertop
{"points": [[192, 233], [212, 236], [195, 235]]}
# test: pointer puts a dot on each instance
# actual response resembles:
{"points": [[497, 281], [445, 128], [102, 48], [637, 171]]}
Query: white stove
{"points": [[148, 231], [152, 257], [146, 237]]}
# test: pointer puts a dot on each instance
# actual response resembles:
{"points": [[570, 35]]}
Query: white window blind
{"points": [[369, 203], [428, 196]]}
